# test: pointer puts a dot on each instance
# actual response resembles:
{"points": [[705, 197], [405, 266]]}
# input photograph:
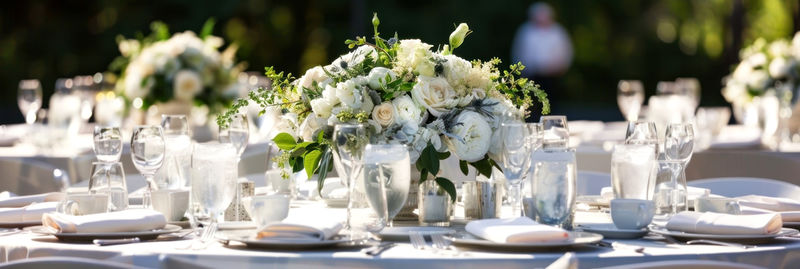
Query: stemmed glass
{"points": [[29, 99], [350, 141], [641, 132], [237, 133], [389, 164], [214, 177], [678, 148], [516, 160], [630, 96], [147, 152], [555, 133]]}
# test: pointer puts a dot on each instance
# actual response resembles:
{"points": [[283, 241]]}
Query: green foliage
{"points": [[278, 95], [521, 90], [313, 156], [208, 28], [428, 162]]}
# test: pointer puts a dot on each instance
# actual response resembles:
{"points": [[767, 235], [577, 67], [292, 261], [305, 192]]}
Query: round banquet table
{"points": [[783, 253]]}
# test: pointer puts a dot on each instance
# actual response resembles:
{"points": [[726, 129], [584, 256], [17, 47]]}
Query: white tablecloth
{"points": [[782, 254]]}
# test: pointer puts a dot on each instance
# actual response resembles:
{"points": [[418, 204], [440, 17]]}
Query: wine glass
{"points": [[389, 164], [214, 178], [516, 159], [555, 133], [679, 142], [630, 96], [29, 99], [641, 132], [237, 133], [107, 144], [147, 153], [350, 141], [178, 155]]}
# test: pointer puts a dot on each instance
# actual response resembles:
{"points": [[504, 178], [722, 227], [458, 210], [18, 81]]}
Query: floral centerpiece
{"points": [[406, 92], [182, 68], [766, 68]]}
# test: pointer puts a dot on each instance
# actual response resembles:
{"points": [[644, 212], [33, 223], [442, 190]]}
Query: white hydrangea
{"points": [[456, 70]]}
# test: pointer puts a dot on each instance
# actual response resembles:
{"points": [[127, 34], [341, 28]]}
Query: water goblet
{"points": [[147, 153], [107, 143], [391, 163], [632, 171], [29, 99], [214, 181], [349, 141], [630, 96], [516, 159]]}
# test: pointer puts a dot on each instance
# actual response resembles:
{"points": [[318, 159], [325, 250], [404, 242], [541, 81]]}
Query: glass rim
{"points": [[114, 163], [145, 126]]}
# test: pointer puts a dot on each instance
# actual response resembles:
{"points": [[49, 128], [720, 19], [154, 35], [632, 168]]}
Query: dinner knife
{"points": [[111, 242]]}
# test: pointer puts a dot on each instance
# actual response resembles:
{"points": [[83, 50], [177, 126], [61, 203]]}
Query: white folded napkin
{"points": [[717, 223], [301, 229], [32, 212], [769, 203], [132, 220], [20, 201], [515, 230], [786, 216]]}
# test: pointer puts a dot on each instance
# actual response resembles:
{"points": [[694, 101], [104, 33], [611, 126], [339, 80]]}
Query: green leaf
{"points": [[423, 175], [325, 165], [444, 155], [483, 166], [311, 162], [305, 145], [297, 152], [297, 166], [430, 159], [284, 141], [208, 27], [447, 186], [463, 165]]}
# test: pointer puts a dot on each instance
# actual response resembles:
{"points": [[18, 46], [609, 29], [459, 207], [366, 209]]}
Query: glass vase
{"points": [[434, 205]]}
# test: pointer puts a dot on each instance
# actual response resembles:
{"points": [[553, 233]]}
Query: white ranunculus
{"points": [[408, 111], [186, 85], [780, 67], [414, 55], [312, 75], [475, 133], [383, 114], [321, 107], [758, 80], [435, 94], [456, 69], [377, 77], [311, 124]]}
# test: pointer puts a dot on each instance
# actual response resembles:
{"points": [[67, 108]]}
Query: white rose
{"points": [[383, 114], [758, 80], [414, 55], [475, 135], [377, 77], [312, 75], [186, 85], [780, 67], [321, 107], [456, 69], [346, 91], [408, 111], [435, 94], [310, 125]]}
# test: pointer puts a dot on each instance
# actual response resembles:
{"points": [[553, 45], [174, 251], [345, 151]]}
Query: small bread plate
{"points": [[576, 239]]}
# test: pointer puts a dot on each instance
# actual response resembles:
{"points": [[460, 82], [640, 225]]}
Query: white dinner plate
{"points": [[576, 239], [88, 237], [20, 224], [608, 230], [235, 225], [401, 233], [744, 238], [284, 244]]}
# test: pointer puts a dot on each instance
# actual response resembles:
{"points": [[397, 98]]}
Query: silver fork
{"points": [[718, 243], [417, 241], [444, 245]]}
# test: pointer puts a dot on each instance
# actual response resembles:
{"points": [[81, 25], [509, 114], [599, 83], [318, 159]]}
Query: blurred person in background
{"points": [[544, 47]]}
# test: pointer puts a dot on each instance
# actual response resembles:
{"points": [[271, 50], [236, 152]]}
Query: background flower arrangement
{"points": [[406, 93], [182, 67], [765, 68]]}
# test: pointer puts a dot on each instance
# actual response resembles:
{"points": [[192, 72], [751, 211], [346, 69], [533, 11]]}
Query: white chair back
{"points": [[740, 186], [590, 183]]}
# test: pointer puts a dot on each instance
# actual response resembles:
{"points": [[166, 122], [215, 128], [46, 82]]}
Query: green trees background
{"points": [[613, 40]]}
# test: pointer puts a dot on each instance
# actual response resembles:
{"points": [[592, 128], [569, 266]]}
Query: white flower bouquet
{"points": [[184, 67], [406, 93], [765, 68]]}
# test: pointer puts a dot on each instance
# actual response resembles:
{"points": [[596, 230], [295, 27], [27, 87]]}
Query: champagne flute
{"points": [[350, 141], [147, 153], [630, 96], [29, 99], [516, 158]]}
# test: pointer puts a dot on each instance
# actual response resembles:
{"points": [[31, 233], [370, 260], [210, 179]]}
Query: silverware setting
{"points": [[707, 242], [616, 245], [111, 242], [378, 249]]}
